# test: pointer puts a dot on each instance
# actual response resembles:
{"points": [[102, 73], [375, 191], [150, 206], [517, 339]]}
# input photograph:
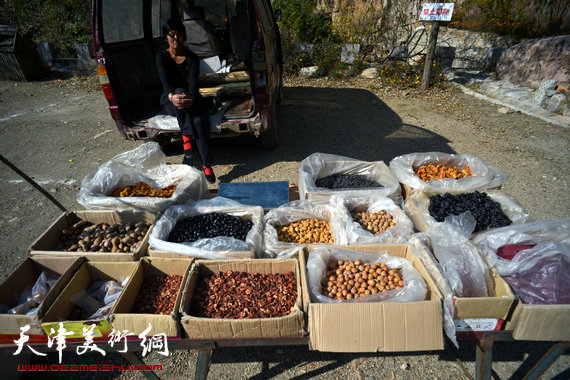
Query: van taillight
{"points": [[104, 80]]}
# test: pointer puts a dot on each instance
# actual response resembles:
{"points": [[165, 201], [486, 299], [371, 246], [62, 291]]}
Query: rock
{"points": [[540, 96], [405, 366], [308, 71], [556, 103], [370, 73], [348, 52], [505, 110], [531, 62]]}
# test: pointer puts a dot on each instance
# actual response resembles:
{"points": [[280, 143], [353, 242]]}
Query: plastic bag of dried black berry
{"points": [[140, 165], [322, 175], [370, 220], [490, 208], [326, 259], [217, 228], [446, 173]]}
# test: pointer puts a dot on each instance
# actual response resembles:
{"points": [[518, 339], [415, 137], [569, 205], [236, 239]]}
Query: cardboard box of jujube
{"points": [[128, 314], [289, 325], [25, 276], [375, 326], [47, 243], [62, 309]]}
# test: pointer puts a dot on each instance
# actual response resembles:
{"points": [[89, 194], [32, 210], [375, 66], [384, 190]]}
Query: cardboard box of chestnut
{"points": [[26, 275], [46, 244], [62, 308], [124, 318], [291, 325], [375, 326]]}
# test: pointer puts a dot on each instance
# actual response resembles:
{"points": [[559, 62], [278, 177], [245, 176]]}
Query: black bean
{"points": [[212, 225], [486, 212], [344, 181]]}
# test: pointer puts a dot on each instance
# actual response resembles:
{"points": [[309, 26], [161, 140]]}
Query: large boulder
{"points": [[532, 62]]}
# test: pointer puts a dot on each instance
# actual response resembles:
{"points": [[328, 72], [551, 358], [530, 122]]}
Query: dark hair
{"points": [[172, 24]]}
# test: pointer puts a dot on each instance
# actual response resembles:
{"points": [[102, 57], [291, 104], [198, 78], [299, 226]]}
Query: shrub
{"points": [[408, 75]]}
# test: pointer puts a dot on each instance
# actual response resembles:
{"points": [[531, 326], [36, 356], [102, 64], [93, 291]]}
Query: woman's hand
{"points": [[183, 101]]}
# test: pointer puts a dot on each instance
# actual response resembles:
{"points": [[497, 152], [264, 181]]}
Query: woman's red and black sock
{"points": [[187, 141], [209, 173]]}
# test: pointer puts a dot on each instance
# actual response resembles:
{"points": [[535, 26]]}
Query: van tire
{"points": [[270, 138]]}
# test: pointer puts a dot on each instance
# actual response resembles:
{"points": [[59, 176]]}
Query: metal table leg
{"points": [[484, 359], [134, 359], [203, 363], [546, 360]]}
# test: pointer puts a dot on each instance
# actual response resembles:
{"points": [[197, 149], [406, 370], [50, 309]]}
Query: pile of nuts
{"points": [[346, 280], [305, 231], [141, 189], [438, 171], [157, 295], [207, 226], [85, 236], [345, 181], [242, 295], [374, 222]]}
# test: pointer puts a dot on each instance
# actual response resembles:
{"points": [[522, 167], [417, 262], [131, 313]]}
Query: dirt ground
{"points": [[59, 130]]}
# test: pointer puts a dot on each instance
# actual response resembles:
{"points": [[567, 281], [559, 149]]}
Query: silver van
{"points": [[239, 47]]}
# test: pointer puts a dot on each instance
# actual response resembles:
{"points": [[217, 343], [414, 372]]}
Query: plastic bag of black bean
{"points": [[483, 176], [217, 228], [491, 209], [322, 175]]}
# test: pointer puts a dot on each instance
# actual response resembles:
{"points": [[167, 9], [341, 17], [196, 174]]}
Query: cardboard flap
{"points": [[541, 322]]}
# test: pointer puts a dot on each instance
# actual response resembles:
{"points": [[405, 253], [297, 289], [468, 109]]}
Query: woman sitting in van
{"points": [[178, 69]]}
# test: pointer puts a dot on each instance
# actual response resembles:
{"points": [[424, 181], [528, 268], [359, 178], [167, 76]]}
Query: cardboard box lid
{"points": [[376, 326], [540, 322]]}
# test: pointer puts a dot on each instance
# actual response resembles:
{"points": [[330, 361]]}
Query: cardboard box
{"points": [[26, 275], [291, 325], [46, 243], [88, 273], [375, 326], [123, 319], [540, 322]]}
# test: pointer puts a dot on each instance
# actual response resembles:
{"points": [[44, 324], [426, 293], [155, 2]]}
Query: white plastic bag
{"points": [[414, 289], [320, 165], [417, 208], [556, 230], [353, 233], [420, 245], [483, 177], [289, 213], [221, 247], [143, 164]]}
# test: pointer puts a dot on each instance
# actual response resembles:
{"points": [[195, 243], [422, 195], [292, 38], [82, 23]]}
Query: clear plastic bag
{"points": [[320, 165], [556, 230], [417, 209], [420, 245], [414, 289], [221, 247], [32, 296], [353, 233], [289, 213], [538, 275], [483, 177], [461, 262], [100, 297], [43, 284], [143, 164]]}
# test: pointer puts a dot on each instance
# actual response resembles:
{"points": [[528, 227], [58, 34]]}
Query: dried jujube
{"points": [[157, 295]]}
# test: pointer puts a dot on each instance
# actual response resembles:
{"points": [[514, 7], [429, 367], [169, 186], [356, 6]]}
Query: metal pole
{"points": [[546, 360], [484, 358], [33, 183], [203, 363]]}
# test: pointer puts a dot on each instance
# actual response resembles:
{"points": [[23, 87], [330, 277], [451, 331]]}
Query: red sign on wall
{"points": [[437, 11]]}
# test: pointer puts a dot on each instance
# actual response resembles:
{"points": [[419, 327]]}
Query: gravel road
{"points": [[59, 130]]}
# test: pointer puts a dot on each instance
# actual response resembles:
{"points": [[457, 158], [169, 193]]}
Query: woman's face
{"points": [[175, 38]]}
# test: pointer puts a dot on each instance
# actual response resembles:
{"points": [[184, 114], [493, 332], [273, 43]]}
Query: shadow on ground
{"points": [[347, 122]]}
